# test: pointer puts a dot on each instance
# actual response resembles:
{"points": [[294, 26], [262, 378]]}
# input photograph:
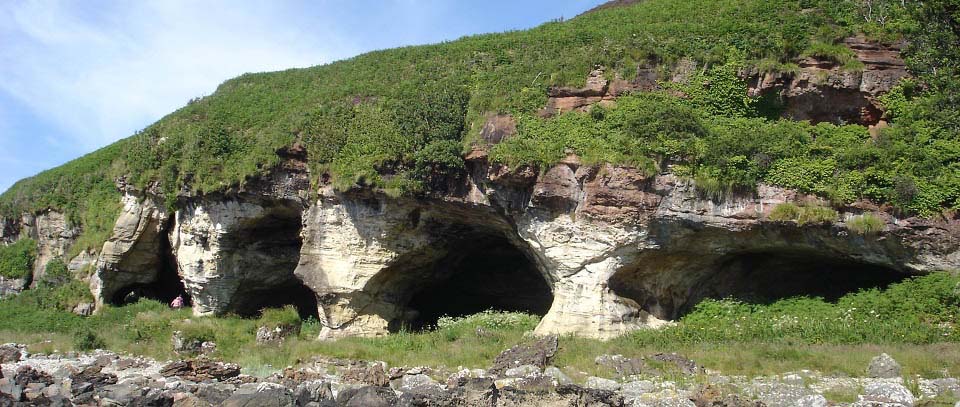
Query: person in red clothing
{"points": [[177, 303]]}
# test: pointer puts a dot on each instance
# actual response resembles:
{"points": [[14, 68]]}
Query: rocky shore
{"points": [[520, 376]]}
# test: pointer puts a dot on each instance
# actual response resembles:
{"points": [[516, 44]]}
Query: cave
{"points": [[165, 286], [757, 277], [267, 249], [477, 270]]}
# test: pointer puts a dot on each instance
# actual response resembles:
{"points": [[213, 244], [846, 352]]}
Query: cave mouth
{"points": [[480, 272], [270, 247], [165, 287], [757, 277], [293, 293]]}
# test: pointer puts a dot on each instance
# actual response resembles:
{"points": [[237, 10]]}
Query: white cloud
{"points": [[101, 71]]}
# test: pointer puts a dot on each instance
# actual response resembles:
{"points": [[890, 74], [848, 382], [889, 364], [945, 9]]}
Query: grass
{"points": [[802, 214], [912, 321], [866, 224]]}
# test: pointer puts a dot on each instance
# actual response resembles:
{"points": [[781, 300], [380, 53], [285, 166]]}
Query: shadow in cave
{"points": [[758, 277], [270, 245], [166, 286], [479, 272]]}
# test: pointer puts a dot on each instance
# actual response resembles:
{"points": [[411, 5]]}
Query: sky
{"points": [[78, 75]]}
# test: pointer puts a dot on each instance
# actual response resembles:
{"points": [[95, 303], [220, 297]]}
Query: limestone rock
{"points": [[883, 367]]}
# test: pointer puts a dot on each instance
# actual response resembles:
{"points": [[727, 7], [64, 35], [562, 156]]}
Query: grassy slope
{"points": [[390, 118]]}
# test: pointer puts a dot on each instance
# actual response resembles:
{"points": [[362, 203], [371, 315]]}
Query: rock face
{"points": [[823, 91], [134, 255]]}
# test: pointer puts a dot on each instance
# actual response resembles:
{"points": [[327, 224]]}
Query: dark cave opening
{"points": [[294, 293], [166, 286], [479, 272], [758, 277], [269, 246]]}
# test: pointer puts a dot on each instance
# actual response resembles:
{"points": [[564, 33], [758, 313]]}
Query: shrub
{"points": [[55, 274], [866, 224], [16, 260], [491, 319], [86, 340]]}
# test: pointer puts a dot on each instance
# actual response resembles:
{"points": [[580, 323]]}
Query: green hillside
{"points": [[392, 119]]}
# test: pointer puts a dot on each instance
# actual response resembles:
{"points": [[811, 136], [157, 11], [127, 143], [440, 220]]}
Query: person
{"points": [[177, 303]]}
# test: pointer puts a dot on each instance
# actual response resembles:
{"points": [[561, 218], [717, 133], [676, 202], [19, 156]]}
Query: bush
{"points": [[86, 340], [55, 274], [16, 260], [866, 224]]}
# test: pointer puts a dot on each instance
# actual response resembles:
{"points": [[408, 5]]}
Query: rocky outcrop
{"points": [[134, 255], [820, 90], [823, 91]]}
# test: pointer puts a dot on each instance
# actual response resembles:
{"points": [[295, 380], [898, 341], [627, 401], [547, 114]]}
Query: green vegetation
{"points": [[397, 119], [866, 224], [55, 273], [802, 214], [16, 260], [913, 320]]}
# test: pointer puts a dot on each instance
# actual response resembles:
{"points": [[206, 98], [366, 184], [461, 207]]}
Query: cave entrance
{"points": [[269, 246], [757, 277], [166, 285], [480, 271]]}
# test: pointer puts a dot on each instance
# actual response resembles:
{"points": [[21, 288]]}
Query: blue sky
{"points": [[78, 75]]}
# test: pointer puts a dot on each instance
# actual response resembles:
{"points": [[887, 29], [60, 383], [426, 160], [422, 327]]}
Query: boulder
{"points": [[27, 374], [10, 353], [581, 396], [411, 382], [84, 309], [261, 395], [201, 369], [557, 375], [314, 392], [90, 379], [367, 396], [600, 383], [885, 393], [366, 373], [537, 353], [883, 367], [522, 371]]}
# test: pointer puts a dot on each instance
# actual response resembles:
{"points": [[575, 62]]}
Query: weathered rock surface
{"points": [[883, 367]]}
